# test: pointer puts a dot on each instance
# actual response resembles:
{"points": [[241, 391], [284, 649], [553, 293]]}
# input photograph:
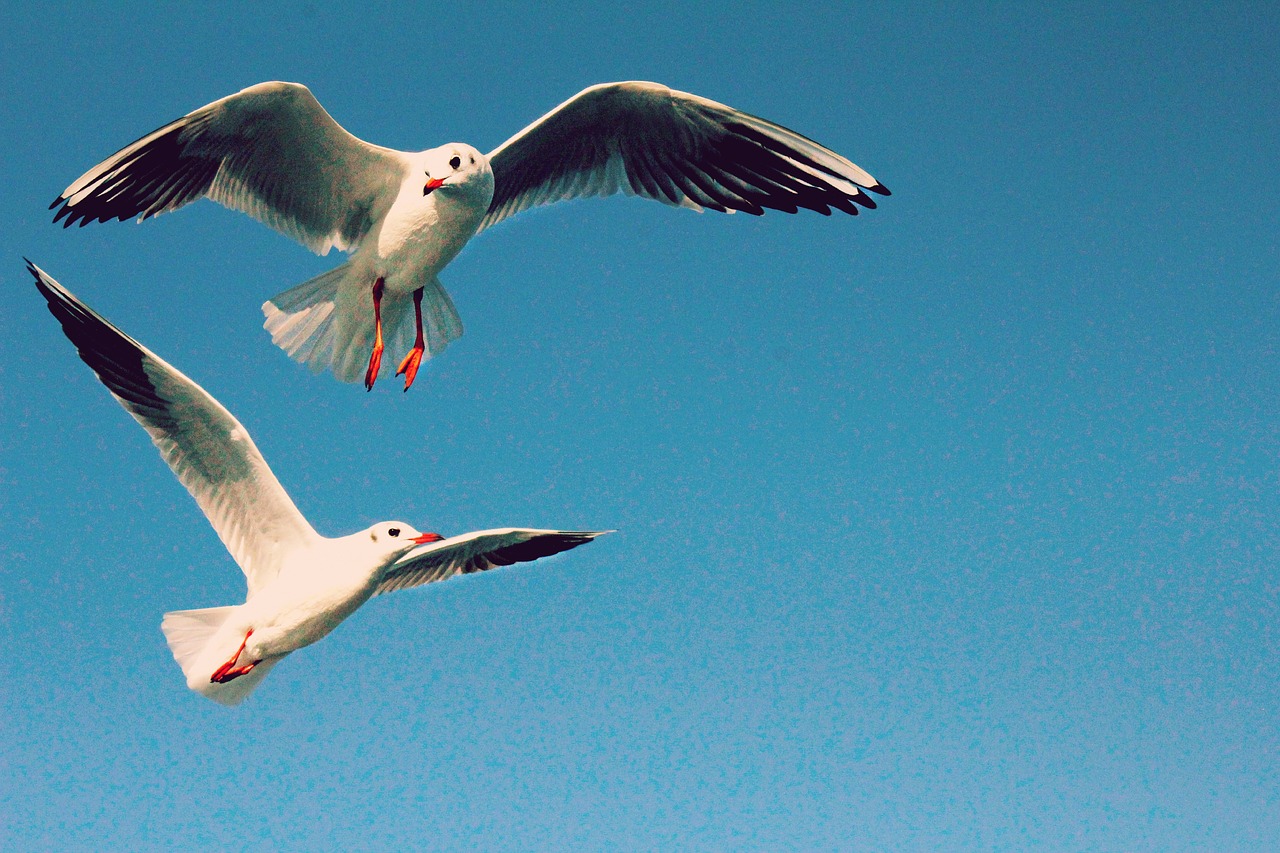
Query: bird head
{"points": [[456, 167], [396, 537]]}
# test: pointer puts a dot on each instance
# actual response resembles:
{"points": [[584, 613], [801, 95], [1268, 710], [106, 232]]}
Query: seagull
{"points": [[273, 152], [300, 584]]}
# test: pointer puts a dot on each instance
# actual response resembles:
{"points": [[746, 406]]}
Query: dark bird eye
{"points": [[455, 162], [395, 531]]}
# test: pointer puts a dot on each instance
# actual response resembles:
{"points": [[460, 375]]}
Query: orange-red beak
{"points": [[425, 538], [432, 183]]}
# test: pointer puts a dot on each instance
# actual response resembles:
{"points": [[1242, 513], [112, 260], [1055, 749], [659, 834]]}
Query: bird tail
{"points": [[327, 322], [191, 635]]}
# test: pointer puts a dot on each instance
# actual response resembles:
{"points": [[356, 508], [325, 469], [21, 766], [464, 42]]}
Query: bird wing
{"points": [[207, 448], [270, 151], [645, 139], [478, 552]]}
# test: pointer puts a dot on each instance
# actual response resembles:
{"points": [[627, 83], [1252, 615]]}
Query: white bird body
{"points": [[423, 232], [332, 322], [317, 588], [273, 152], [300, 585]]}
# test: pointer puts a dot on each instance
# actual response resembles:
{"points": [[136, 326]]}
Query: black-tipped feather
{"points": [[673, 146], [113, 355], [205, 446], [160, 175], [777, 147], [479, 552], [270, 151], [525, 552]]}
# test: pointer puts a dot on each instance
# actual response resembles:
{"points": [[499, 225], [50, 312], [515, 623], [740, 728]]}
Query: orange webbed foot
{"points": [[409, 367], [375, 364], [229, 671]]}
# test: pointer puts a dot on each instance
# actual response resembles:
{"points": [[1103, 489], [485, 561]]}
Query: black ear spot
{"points": [[473, 161], [455, 162], [373, 536]]}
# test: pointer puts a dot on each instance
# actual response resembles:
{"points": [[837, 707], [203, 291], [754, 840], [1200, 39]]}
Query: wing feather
{"points": [[270, 151], [207, 448], [479, 552], [673, 147]]}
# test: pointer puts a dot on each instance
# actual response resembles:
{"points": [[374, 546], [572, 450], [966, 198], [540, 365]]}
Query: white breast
{"points": [[422, 234], [308, 599]]}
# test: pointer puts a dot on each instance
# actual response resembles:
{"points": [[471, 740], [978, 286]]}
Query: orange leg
{"points": [[409, 367], [229, 670], [375, 358]]}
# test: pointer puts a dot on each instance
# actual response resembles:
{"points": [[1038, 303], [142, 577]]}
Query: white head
{"points": [[456, 168], [392, 538]]}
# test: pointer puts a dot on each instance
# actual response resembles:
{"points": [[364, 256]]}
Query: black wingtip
{"points": [[117, 359], [582, 537], [57, 299], [863, 199], [57, 201], [880, 189], [35, 272], [45, 284]]}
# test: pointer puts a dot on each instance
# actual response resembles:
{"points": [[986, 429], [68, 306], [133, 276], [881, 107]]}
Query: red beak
{"points": [[432, 183], [425, 538]]}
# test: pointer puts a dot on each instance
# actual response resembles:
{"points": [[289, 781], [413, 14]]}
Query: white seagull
{"points": [[273, 152], [300, 584]]}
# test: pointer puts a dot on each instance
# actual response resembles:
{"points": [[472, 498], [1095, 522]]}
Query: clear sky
{"points": [[951, 526]]}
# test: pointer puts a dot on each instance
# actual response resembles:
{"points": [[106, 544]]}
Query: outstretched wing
{"points": [[207, 448], [645, 139], [479, 552], [270, 151]]}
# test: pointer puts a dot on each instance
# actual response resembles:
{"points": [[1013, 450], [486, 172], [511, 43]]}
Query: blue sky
{"points": [[951, 526]]}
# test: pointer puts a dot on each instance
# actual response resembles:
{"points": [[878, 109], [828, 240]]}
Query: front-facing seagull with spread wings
{"points": [[273, 152]]}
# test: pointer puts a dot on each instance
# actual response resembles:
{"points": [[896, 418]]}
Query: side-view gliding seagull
{"points": [[272, 151], [300, 584]]}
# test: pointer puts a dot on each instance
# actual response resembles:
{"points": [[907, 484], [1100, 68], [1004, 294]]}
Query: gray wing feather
{"points": [[270, 151], [479, 552], [207, 448], [680, 149]]}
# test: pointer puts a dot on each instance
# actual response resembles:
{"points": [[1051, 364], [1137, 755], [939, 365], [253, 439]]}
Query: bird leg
{"points": [[375, 358], [229, 670], [409, 367]]}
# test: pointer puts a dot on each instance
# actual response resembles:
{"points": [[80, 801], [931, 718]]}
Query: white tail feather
{"points": [[327, 322], [193, 637]]}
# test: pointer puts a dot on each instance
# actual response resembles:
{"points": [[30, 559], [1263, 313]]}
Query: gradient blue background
{"points": [[952, 526]]}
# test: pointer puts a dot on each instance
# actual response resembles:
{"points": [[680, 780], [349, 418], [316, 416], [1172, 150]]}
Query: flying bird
{"points": [[300, 584], [273, 152]]}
